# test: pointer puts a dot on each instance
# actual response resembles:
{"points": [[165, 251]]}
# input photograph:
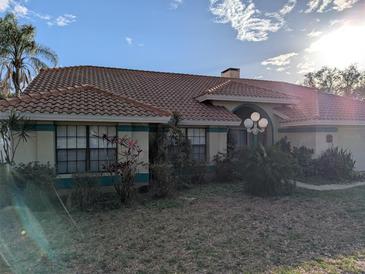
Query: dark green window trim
{"points": [[308, 129], [126, 128], [217, 129], [43, 127], [66, 183]]}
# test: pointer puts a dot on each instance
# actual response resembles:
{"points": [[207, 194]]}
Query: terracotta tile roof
{"points": [[85, 99], [178, 92], [325, 107], [242, 88]]}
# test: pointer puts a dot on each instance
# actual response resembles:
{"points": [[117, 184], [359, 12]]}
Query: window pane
{"points": [[112, 132], [202, 140], [61, 142], [94, 142], [71, 131], [61, 131], [62, 167], [112, 154], [103, 130], [94, 166], [71, 142], [72, 167], [103, 143], [103, 154], [94, 154], [81, 155], [71, 155], [62, 155], [81, 131], [94, 131], [81, 166], [81, 142]]}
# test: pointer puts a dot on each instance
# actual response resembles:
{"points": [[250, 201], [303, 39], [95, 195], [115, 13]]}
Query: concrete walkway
{"points": [[329, 187]]}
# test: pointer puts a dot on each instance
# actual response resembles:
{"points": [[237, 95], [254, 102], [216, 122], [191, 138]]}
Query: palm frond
{"points": [[46, 53]]}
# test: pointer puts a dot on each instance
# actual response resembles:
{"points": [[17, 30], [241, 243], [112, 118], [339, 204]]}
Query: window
{"points": [[79, 149], [197, 139]]}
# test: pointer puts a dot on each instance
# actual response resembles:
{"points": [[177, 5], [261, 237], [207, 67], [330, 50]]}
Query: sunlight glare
{"points": [[340, 48]]}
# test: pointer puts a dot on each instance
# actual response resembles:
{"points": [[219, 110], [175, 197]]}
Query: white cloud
{"points": [[325, 5], [280, 69], [305, 67], [250, 23], [288, 7], [65, 20], [4, 4], [20, 10], [314, 34], [280, 61], [129, 40], [174, 4]]}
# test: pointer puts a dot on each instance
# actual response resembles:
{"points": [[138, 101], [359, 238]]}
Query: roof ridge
{"points": [[174, 73]]}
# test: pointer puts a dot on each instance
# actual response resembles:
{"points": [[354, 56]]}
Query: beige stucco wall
{"points": [[347, 137], [217, 143], [353, 138], [40, 147]]}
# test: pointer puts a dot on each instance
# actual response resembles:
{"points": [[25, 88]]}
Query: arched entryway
{"points": [[239, 137]]}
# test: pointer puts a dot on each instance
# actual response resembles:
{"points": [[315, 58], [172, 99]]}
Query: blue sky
{"points": [[279, 39]]}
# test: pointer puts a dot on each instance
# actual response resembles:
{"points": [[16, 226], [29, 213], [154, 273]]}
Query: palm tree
{"points": [[21, 57]]}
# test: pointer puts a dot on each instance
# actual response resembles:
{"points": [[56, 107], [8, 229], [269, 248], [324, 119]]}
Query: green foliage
{"points": [[85, 191], [126, 168], [335, 163], [35, 183], [346, 82], [163, 182], [13, 131], [172, 152], [20, 55], [303, 156], [268, 171], [225, 168]]}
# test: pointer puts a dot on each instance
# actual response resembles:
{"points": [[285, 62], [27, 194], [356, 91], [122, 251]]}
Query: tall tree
{"points": [[346, 82], [21, 57]]}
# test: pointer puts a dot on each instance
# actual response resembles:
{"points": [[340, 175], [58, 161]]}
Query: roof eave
{"points": [[187, 122], [250, 99], [89, 118], [323, 123]]}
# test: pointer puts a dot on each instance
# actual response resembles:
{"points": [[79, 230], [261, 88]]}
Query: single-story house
{"points": [[69, 106]]}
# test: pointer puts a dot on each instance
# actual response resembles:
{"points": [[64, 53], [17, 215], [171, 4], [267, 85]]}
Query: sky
{"points": [[273, 40]]}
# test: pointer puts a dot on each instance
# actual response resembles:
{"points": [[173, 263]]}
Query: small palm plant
{"points": [[20, 55], [13, 131]]}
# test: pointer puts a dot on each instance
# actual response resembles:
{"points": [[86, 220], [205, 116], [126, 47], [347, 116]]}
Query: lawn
{"points": [[210, 229]]}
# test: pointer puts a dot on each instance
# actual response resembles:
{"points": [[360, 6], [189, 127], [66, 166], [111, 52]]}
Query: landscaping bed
{"points": [[213, 228]]}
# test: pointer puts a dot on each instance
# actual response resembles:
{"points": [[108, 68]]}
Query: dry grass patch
{"points": [[210, 229]]}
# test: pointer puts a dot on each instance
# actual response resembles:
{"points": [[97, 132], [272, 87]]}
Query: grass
{"points": [[213, 228]]}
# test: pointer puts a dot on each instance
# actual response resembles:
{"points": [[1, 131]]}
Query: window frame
{"points": [[87, 149], [192, 145]]}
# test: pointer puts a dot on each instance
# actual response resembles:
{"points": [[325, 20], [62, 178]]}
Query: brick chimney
{"points": [[231, 73]]}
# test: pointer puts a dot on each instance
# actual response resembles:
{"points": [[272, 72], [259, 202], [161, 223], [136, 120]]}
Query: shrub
{"points": [[35, 182], [303, 155], [269, 172], [335, 163], [85, 191], [126, 168], [225, 170], [198, 172], [5, 186], [163, 183]]}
